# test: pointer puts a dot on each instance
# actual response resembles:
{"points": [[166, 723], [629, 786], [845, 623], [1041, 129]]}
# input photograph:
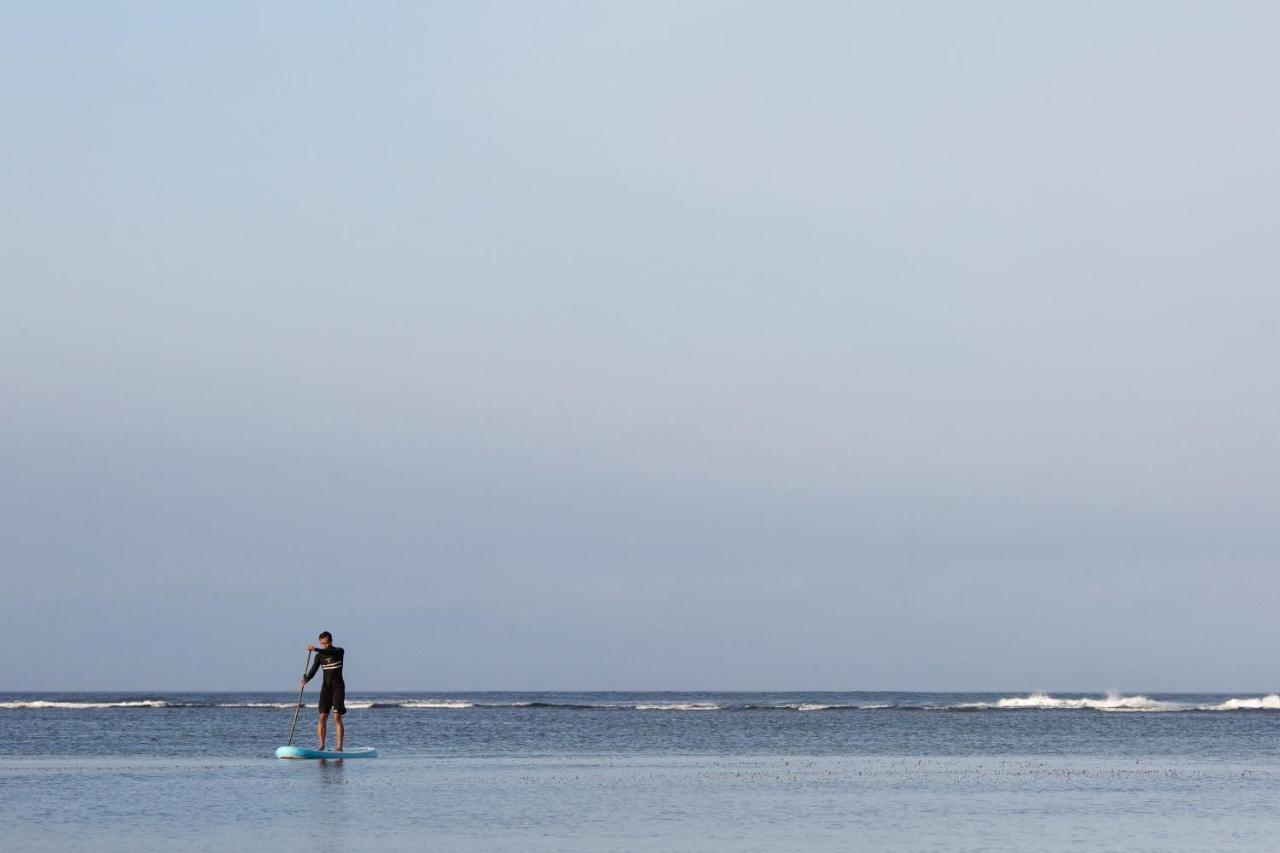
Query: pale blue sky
{"points": [[662, 345]]}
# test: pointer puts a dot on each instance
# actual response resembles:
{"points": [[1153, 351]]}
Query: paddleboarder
{"points": [[333, 690]]}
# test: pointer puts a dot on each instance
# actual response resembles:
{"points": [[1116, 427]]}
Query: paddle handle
{"points": [[298, 707]]}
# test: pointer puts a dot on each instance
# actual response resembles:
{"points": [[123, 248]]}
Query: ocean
{"points": [[691, 771]]}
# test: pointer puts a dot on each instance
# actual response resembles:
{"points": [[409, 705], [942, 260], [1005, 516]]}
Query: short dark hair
{"points": [[325, 635]]}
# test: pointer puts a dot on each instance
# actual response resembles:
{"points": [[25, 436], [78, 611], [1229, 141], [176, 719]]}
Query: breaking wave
{"points": [[1112, 703], [815, 706], [1262, 703], [80, 706]]}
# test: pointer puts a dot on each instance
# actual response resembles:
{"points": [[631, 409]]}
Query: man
{"points": [[333, 690]]}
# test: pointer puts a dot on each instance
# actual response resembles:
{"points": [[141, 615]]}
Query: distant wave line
{"points": [[1112, 703]]}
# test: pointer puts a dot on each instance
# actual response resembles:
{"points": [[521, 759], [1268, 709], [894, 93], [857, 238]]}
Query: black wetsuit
{"points": [[333, 690]]}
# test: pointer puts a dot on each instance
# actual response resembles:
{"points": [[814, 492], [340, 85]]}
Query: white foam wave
{"points": [[77, 706], [815, 706], [1034, 701], [1261, 703], [1113, 702]]}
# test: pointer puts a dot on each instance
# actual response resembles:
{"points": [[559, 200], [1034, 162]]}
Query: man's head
{"points": [[326, 639]]}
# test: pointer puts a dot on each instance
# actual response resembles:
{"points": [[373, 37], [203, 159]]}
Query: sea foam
{"points": [[80, 706], [1261, 703], [1113, 702]]}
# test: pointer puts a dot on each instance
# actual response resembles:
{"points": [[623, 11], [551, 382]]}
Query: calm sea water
{"points": [[645, 771]]}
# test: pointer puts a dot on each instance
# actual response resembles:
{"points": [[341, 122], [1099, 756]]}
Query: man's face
{"points": [[325, 642]]}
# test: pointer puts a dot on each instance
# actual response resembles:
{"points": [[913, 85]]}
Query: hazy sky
{"points": [[648, 345]]}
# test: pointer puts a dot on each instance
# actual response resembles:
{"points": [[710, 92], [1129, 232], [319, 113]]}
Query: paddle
{"points": [[299, 705]]}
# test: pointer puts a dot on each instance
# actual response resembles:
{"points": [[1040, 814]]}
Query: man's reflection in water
{"points": [[331, 771]]}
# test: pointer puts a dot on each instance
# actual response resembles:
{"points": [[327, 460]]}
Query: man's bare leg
{"points": [[340, 730], [320, 729]]}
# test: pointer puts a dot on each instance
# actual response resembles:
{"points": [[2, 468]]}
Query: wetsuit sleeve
{"points": [[315, 665]]}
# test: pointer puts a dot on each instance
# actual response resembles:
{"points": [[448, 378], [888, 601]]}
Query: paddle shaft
{"points": [[298, 707]]}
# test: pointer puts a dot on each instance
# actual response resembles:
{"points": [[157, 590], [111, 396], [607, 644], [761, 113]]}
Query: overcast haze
{"points": [[661, 345]]}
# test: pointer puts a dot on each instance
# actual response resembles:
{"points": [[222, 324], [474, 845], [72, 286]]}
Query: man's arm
{"points": [[315, 666]]}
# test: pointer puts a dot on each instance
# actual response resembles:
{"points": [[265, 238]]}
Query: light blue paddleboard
{"points": [[299, 752]]}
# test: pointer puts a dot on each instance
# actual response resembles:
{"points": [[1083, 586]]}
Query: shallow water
{"points": [[692, 771]]}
